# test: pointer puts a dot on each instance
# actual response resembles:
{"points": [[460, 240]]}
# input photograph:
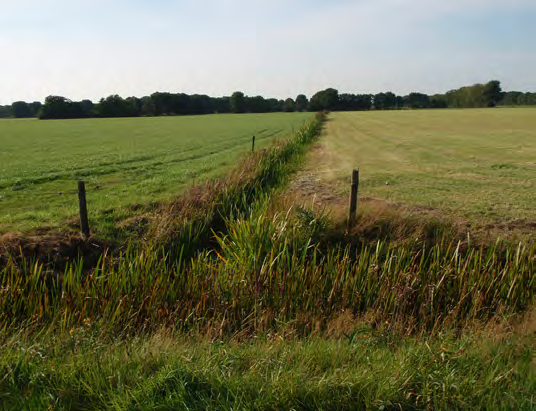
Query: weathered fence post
{"points": [[354, 189], [253, 144], [84, 223]]}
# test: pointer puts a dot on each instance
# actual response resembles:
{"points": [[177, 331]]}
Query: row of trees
{"points": [[518, 98], [21, 109], [161, 104], [166, 104], [477, 95]]}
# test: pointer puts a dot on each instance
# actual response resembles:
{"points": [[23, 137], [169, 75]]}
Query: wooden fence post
{"points": [[354, 189], [253, 144], [84, 223]]}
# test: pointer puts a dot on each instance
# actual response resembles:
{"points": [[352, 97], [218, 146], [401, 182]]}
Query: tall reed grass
{"points": [[265, 273]]}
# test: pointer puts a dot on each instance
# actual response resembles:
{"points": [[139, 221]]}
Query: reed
{"points": [[265, 272]]}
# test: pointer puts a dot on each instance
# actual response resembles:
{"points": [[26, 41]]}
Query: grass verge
{"points": [[371, 369]]}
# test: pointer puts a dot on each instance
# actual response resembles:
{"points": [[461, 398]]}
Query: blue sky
{"points": [[269, 47]]}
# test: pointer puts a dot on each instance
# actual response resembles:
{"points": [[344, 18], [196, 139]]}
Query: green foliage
{"points": [[116, 106], [351, 102], [289, 105], [518, 98], [492, 93], [327, 99], [21, 109], [301, 102], [417, 100], [385, 101], [6, 111], [238, 102], [477, 95], [267, 271], [57, 107]]}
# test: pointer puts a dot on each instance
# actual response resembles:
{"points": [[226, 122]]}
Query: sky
{"points": [[274, 48]]}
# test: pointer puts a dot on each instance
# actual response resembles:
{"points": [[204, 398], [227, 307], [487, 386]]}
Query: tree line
{"points": [[489, 94]]}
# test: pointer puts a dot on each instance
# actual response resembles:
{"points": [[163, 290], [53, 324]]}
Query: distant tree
{"points": [[21, 109], [289, 105], [58, 107], [301, 102], [385, 101], [133, 107], [438, 101], [492, 93], [257, 104], [417, 100], [198, 104], [87, 107], [327, 99], [273, 105], [238, 102], [222, 104], [353, 102], [163, 104], [114, 106], [35, 108], [477, 95], [5, 112], [147, 106], [180, 103], [511, 98], [530, 99]]}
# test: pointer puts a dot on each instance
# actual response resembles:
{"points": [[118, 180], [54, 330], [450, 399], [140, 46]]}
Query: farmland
{"points": [[246, 289], [475, 165], [125, 162]]}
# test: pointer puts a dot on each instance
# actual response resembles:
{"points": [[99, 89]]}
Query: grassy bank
{"points": [[372, 369], [269, 271]]}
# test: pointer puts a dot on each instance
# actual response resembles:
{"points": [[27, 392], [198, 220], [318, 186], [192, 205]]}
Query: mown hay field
{"points": [[126, 162], [475, 165]]}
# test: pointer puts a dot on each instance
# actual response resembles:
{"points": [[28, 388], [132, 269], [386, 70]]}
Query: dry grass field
{"points": [[477, 166]]}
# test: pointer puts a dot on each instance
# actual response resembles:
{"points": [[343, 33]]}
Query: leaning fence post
{"points": [[84, 223], [253, 144], [354, 188]]}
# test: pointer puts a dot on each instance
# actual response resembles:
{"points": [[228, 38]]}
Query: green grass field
{"points": [[476, 164], [124, 161]]}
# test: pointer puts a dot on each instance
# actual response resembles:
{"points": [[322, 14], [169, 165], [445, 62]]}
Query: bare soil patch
{"points": [[54, 251]]}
